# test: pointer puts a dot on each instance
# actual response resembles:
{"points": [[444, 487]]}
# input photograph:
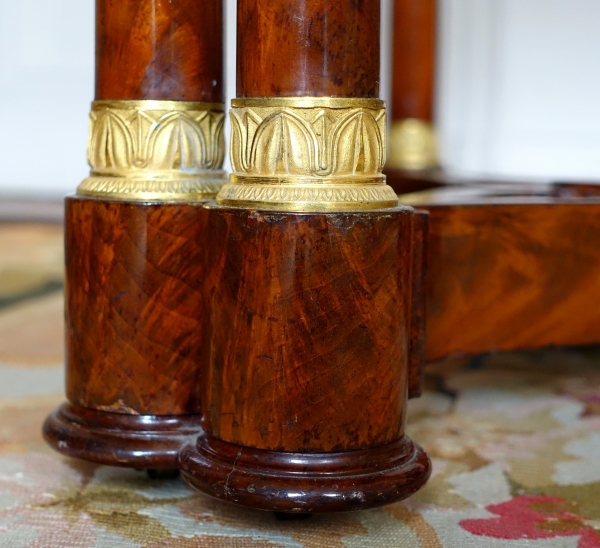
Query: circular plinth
{"points": [[115, 439], [305, 482]]}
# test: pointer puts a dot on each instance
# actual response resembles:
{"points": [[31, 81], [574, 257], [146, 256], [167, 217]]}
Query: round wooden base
{"points": [[115, 439], [305, 482]]}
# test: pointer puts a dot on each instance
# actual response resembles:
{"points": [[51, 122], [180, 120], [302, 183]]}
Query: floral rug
{"points": [[514, 440]]}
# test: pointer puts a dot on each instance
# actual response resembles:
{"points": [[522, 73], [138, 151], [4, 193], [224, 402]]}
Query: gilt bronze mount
{"points": [[308, 154], [158, 151]]}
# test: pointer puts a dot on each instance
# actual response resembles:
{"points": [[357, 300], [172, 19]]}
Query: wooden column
{"points": [[413, 58], [304, 376], [308, 49], [413, 142], [135, 234], [170, 51]]}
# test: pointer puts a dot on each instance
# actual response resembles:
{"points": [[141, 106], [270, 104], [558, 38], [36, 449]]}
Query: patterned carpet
{"points": [[514, 439]]}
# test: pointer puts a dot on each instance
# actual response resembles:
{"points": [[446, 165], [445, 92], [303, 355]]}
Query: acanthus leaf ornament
{"points": [[155, 150], [308, 154]]}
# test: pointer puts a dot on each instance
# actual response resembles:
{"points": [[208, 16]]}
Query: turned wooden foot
{"points": [[134, 441], [303, 482]]}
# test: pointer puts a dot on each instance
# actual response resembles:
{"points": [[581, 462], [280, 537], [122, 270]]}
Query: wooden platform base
{"points": [[510, 267], [306, 482], [135, 441]]}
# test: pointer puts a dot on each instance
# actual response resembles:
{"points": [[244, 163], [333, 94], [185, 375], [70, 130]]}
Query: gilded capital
{"points": [[307, 154], [413, 145], [155, 150]]}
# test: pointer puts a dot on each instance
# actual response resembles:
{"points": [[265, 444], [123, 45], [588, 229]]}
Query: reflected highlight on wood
{"points": [[170, 50], [316, 48]]}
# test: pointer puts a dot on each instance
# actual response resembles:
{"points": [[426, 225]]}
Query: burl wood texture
{"points": [[307, 344], [308, 48], [133, 302], [169, 50], [506, 276], [413, 59]]}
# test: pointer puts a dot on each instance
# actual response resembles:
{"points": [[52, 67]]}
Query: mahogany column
{"points": [[308, 288], [134, 234], [413, 143]]}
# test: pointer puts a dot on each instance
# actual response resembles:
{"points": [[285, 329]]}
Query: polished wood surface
{"points": [[308, 48], [307, 346], [509, 273], [133, 302], [435, 186], [169, 50], [306, 482], [413, 58]]}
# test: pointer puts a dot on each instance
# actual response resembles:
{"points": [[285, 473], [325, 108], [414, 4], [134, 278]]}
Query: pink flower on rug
{"points": [[533, 518]]}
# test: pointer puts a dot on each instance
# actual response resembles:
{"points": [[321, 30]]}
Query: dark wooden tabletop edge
{"points": [[473, 194]]}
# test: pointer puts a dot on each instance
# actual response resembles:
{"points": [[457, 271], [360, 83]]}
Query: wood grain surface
{"points": [[307, 344], [289, 48], [169, 50], [508, 276], [133, 303], [416, 361]]}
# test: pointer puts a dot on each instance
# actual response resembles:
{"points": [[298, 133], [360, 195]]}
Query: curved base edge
{"points": [[114, 439], [305, 482]]}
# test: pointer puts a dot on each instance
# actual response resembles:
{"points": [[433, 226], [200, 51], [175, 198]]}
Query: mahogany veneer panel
{"points": [[133, 303], [307, 344], [506, 276]]}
